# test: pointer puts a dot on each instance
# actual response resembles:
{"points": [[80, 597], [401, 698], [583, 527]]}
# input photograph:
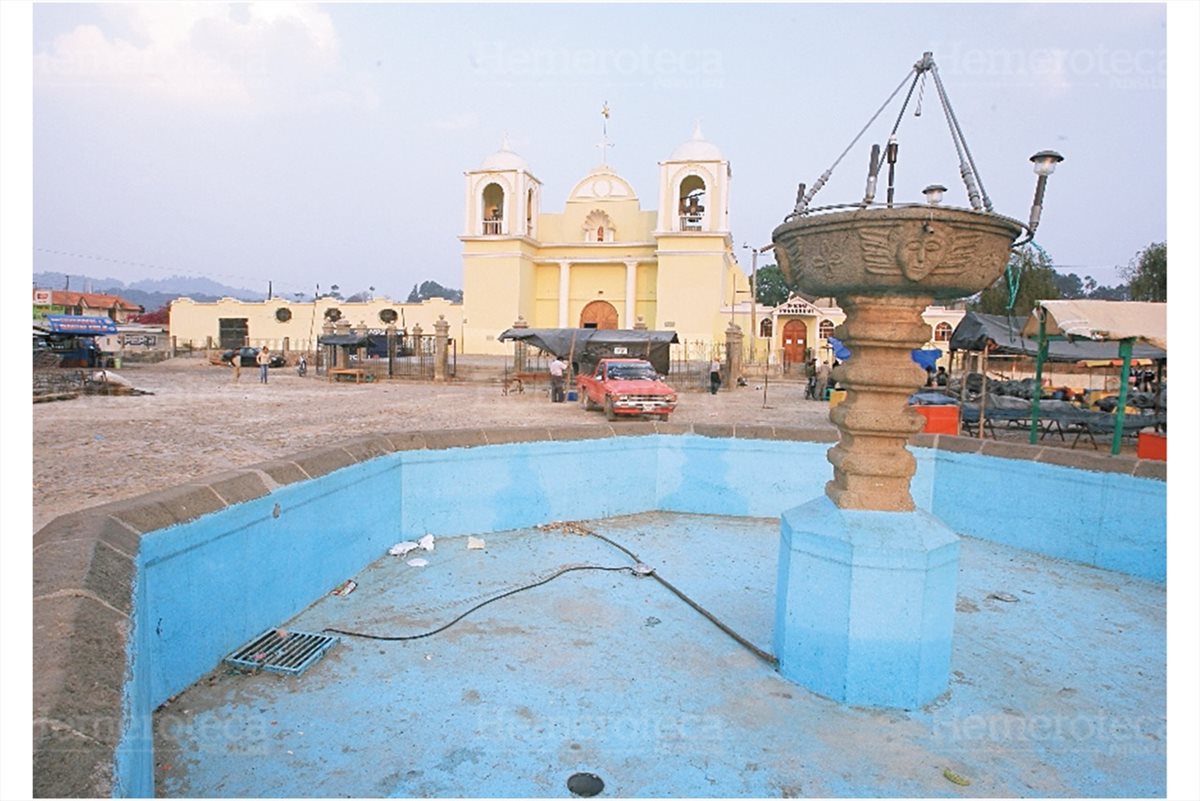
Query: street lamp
{"points": [[933, 194], [1044, 162], [754, 292]]}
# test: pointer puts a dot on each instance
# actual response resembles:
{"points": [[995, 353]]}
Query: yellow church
{"points": [[604, 261]]}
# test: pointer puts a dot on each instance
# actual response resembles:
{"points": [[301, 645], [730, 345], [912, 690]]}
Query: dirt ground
{"points": [[198, 422]]}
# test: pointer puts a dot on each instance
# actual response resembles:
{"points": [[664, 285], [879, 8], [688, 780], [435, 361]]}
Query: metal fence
{"points": [[410, 358]]}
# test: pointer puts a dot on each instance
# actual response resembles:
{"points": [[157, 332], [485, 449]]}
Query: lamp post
{"points": [[754, 293], [1044, 162]]}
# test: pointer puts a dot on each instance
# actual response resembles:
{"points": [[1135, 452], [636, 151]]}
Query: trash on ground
{"points": [[426, 542], [1003, 596], [475, 544], [565, 526], [954, 777], [109, 377], [345, 588], [402, 548], [418, 562]]}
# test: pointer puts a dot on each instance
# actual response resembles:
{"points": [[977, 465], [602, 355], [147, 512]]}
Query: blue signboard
{"points": [[79, 324]]}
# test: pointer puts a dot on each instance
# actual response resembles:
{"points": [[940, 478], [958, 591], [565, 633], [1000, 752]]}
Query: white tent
{"points": [[1103, 319]]}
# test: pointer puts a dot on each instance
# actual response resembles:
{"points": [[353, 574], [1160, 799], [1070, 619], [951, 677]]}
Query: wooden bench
{"points": [[357, 373]]}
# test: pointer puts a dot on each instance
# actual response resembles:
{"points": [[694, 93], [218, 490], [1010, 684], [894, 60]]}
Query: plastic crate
{"points": [[1152, 445], [939, 419]]}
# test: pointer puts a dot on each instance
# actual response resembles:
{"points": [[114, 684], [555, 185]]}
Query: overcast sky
{"points": [[326, 144]]}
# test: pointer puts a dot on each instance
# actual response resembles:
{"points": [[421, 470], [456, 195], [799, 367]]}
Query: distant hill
{"points": [[149, 293]]}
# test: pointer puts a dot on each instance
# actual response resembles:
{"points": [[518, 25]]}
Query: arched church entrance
{"points": [[795, 342], [598, 314]]}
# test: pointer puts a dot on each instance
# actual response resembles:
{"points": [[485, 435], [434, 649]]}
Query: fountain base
{"points": [[865, 604]]}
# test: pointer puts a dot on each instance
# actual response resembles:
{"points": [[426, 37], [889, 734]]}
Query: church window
{"points": [[691, 203], [529, 212], [941, 332], [825, 329], [493, 209], [766, 328]]}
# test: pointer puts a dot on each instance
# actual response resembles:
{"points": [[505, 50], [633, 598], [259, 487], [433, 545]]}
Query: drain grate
{"points": [[280, 651]]}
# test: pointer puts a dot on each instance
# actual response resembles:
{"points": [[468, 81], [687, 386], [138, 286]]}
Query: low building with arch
{"points": [[799, 329], [286, 326]]}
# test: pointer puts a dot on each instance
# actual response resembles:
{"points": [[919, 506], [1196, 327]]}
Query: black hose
{"points": [[477, 606], [770, 659]]}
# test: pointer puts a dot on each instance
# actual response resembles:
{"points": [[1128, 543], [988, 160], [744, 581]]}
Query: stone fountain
{"points": [[867, 581]]}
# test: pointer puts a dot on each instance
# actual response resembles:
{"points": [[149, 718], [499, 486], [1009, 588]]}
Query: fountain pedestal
{"points": [[865, 604], [866, 585]]}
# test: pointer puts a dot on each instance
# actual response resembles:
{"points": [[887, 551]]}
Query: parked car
{"points": [[626, 387], [249, 357]]}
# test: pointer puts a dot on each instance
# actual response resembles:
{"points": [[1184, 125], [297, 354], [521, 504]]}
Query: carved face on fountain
{"points": [[947, 253]]}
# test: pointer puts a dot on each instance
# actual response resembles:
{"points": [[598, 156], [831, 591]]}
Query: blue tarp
{"points": [[80, 324], [839, 350], [926, 358]]}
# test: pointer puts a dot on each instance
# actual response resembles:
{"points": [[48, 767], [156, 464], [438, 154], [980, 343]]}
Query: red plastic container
{"points": [[1152, 446], [939, 419]]}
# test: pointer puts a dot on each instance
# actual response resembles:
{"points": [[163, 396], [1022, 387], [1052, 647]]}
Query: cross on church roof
{"points": [[604, 144]]}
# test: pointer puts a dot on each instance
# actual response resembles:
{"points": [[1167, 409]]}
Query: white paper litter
{"points": [[418, 562], [426, 542], [475, 544], [402, 548]]}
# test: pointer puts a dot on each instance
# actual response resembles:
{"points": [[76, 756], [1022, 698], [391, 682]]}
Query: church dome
{"points": [[697, 149], [505, 159]]}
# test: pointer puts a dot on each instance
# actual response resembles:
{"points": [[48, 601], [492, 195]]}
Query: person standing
{"points": [[823, 385], [714, 375], [557, 369], [264, 362], [235, 362]]}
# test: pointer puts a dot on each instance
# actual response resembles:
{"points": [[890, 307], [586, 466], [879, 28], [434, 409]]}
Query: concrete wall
{"points": [[134, 601]]}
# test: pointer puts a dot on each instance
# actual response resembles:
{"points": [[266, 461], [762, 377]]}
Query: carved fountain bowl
{"points": [[920, 250]]}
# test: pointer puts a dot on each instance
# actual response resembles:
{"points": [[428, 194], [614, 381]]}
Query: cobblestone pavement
{"points": [[198, 422]]}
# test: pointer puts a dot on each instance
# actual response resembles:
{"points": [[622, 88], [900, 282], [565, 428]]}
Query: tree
{"points": [[157, 317], [1033, 273], [432, 289], [1147, 273], [1070, 285], [770, 287]]}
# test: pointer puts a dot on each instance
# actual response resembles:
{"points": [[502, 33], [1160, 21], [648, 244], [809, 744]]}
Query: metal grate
{"points": [[281, 651]]}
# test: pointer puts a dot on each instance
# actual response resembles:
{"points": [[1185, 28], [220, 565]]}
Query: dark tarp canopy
{"points": [[587, 346], [976, 330]]}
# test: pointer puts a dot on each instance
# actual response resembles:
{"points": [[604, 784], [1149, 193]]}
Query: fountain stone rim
{"points": [[834, 262]]}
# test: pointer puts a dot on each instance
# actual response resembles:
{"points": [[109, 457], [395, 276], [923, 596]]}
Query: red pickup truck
{"points": [[626, 387]]}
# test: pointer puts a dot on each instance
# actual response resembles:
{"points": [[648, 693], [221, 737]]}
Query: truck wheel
{"points": [[608, 408]]}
